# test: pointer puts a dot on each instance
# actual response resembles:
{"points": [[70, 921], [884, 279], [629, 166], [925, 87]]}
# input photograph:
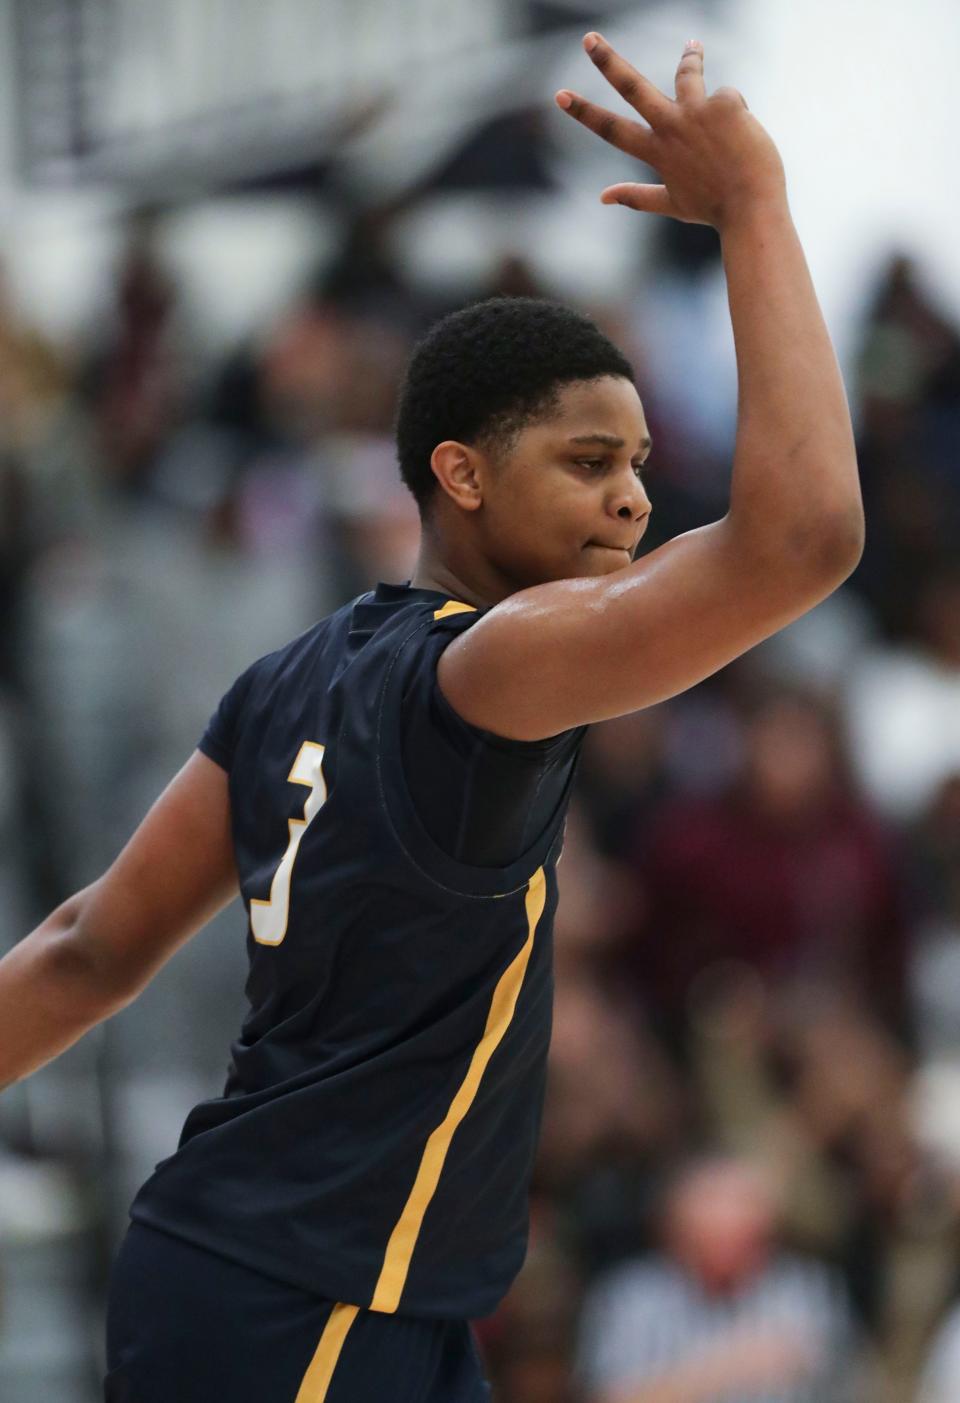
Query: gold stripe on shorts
{"points": [[316, 1381]]}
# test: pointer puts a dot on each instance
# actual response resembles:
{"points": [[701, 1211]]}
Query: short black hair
{"points": [[483, 373]]}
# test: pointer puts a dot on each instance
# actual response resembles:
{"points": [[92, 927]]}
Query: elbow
{"points": [[830, 546], [847, 538], [97, 981]]}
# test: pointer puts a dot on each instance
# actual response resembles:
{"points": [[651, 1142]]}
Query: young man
{"points": [[387, 792]]}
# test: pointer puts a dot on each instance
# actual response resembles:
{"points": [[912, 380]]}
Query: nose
{"points": [[630, 502]]}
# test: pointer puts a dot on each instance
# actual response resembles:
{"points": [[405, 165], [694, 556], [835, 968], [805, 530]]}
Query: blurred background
{"points": [[222, 226]]}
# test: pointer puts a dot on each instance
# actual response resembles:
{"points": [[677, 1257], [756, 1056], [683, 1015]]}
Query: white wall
{"points": [[864, 101]]}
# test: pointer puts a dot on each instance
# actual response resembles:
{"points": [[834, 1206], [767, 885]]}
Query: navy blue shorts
{"points": [[187, 1326]]}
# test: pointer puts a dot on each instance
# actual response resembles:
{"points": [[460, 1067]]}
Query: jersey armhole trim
{"points": [[454, 876]]}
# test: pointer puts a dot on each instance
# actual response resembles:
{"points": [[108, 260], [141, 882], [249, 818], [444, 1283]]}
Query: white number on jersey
{"points": [[268, 919]]}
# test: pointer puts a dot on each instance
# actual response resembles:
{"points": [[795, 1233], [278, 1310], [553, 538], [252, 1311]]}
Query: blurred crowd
{"points": [[748, 1186]]}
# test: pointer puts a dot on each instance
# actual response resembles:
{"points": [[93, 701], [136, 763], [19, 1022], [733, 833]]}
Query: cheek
{"points": [[539, 520], [564, 507]]}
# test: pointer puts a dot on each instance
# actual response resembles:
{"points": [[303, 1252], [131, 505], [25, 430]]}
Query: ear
{"points": [[457, 468]]}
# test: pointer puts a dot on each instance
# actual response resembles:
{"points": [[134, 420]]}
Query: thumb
{"points": [[654, 199]]}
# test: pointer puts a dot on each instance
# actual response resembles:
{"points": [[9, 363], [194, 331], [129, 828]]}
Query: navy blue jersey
{"points": [[376, 1134]]}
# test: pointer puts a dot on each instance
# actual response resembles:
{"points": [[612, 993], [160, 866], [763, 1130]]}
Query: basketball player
{"points": [[387, 794]]}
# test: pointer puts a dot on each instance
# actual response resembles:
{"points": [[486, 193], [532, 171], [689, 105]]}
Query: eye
{"points": [[594, 464]]}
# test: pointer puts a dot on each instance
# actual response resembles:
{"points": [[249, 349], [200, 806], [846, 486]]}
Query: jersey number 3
{"points": [[268, 919]]}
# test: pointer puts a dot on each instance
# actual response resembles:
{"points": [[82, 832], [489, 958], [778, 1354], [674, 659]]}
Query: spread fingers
{"points": [[628, 136], [645, 97]]}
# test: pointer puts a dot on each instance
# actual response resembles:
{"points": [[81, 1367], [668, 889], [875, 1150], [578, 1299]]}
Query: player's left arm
{"points": [[94, 954]]}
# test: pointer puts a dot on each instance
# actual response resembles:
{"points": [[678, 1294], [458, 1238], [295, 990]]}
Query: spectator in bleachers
{"points": [[903, 703], [909, 392], [614, 1101], [720, 1311], [784, 869], [528, 1342], [935, 895], [829, 1101], [136, 378], [42, 492]]}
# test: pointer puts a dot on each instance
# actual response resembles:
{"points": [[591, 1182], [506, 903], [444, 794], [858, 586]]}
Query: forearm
{"points": [[795, 464], [50, 995]]}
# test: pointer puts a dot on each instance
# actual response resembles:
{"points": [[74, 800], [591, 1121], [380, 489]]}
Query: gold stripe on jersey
{"points": [[454, 606], [403, 1239], [316, 1381]]}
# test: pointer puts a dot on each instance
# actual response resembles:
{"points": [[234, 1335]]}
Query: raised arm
{"points": [[581, 650], [96, 952]]}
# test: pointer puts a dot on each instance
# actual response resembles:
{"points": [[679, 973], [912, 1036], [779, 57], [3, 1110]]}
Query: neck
{"points": [[469, 577]]}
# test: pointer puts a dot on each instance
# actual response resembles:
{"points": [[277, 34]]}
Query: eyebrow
{"points": [[608, 440]]}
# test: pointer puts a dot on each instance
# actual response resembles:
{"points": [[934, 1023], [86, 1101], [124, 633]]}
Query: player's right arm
{"points": [[581, 650], [96, 951]]}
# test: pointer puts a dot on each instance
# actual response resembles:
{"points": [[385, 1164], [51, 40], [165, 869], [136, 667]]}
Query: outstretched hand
{"points": [[714, 157]]}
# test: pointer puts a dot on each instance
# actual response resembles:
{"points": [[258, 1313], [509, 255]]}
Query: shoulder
{"points": [[807, 1287], [332, 631], [637, 1281], [256, 688], [805, 1272]]}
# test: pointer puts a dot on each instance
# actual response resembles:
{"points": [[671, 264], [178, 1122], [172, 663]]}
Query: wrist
{"points": [[755, 214]]}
